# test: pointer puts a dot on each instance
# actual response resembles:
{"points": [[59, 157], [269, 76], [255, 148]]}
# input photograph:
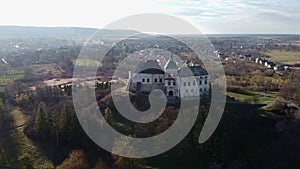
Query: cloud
{"points": [[198, 12], [230, 16], [212, 16]]}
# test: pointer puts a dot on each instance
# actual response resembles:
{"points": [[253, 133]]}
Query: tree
{"points": [[76, 160], [41, 123], [106, 85], [67, 124], [64, 118], [55, 125], [108, 116], [1, 104], [23, 100], [101, 165], [123, 162], [25, 161]]}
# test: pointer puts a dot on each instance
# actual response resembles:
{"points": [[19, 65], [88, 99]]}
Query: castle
{"points": [[183, 82]]}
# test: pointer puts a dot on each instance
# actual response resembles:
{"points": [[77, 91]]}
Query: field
{"points": [[295, 43], [87, 62], [253, 97], [16, 149], [46, 69], [5, 79], [285, 57]]}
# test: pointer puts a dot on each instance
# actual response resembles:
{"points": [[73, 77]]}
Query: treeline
{"points": [[254, 82], [60, 126], [243, 75], [6, 119], [289, 102], [77, 159]]}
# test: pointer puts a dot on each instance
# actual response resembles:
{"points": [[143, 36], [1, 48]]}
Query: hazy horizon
{"points": [[252, 33]]}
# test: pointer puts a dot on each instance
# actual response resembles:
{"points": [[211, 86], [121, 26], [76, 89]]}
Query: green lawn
{"points": [[250, 96], [284, 56]]}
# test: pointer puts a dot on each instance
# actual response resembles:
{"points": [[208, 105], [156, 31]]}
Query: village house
{"points": [[281, 68], [272, 65]]}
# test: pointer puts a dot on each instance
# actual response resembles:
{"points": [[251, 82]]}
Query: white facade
{"points": [[187, 81], [194, 86], [148, 78]]}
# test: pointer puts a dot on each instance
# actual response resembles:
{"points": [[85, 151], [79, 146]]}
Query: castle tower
{"points": [[171, 73]]}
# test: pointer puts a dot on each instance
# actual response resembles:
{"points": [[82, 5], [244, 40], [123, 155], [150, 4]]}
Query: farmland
{"points": [[283, 56]]}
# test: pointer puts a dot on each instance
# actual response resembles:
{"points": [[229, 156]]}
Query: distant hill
{"points": [[21, 32]]}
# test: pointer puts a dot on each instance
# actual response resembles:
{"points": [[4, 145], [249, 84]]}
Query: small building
{"points": [[281, 67], [257, 60], [270, 65], [242, 56], [263, 61], [221, 55]]}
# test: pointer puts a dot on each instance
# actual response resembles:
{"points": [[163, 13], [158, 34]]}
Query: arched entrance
{"points": [[171, 93]]}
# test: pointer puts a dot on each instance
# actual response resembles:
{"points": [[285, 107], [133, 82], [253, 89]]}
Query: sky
{"points": [[209, 16]]}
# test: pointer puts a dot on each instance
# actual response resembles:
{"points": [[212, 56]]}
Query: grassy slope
{"points": [[19, 117], [248, 95], [14, 144]]}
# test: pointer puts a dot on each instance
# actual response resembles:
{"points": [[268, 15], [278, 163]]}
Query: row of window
{"points": [[192, 90], [155, 80], [169, 83], [174, 83], [194, 83]]}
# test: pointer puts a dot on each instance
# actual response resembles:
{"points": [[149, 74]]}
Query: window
{"points": [[200, 89], [200, 82], [189, 83], [192, 90], [148, 80], [184, 83], [205, 89], [155, 80], [186, 91], [174, 83], [160, 80], [143, 80], [194, 83], [169, 83], [205, 81]]}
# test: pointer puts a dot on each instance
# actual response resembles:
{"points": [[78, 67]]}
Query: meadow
{"points": [[283, 56]]}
